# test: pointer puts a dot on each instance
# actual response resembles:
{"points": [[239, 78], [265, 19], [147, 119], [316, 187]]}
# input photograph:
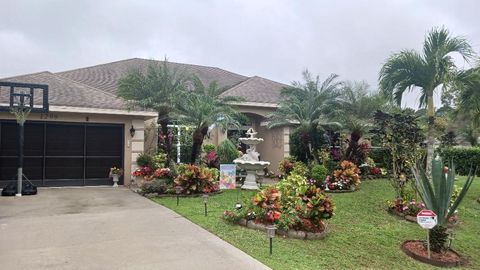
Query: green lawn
{"points": [[361, 234]]}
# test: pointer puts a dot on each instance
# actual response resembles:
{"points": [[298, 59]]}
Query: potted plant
{"points": [[115, 173]]}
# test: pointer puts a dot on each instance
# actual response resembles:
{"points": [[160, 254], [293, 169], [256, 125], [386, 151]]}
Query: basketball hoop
{"points": [[19, 107], [22, 102]]}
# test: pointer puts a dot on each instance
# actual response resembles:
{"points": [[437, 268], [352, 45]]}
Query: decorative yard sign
{"points": [[227, 176], [427, 219]]}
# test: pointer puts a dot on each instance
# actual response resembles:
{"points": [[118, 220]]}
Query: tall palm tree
{"points": [[203, 108], [154, 89], [308, 104], [428, 71]]}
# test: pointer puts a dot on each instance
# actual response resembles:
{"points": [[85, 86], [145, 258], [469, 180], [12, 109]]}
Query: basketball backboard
{"points": [[30, 96]]}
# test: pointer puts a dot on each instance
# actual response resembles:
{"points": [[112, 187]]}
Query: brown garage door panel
{"points": [[62, 154]]}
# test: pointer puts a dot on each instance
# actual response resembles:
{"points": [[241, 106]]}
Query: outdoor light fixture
{"points": [[238, 206], [205, 201], [132, 131], [271, 233], [178, 190]]}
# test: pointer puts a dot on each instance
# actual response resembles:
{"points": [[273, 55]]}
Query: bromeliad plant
{"points": [[436, 194]]}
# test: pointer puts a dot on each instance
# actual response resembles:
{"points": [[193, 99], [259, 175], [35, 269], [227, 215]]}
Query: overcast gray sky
{"points": [[272, 39]]}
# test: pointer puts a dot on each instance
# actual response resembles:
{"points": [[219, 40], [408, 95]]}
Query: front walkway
{"points": [[106, 228]]}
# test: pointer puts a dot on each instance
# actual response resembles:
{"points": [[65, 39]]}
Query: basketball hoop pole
{"points": [[21, 132], [21, 117]]}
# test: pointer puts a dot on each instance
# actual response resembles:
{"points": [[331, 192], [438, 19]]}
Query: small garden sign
{"points": [[427, 219], [227, 176]]}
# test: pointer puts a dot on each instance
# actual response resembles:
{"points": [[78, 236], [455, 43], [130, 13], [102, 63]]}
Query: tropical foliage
{"points": [[204, 110], [307, 104], [426, 72], [196, 179], [154, 89]]}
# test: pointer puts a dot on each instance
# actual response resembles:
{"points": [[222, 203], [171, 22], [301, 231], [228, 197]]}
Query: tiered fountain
{"points": [[250, 161]]}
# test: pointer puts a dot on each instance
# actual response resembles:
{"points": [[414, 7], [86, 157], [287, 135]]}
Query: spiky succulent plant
{"points": [[436, 193]]}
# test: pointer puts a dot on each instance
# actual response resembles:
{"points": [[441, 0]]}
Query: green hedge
{"points": [[382, 157], [464, 158]]}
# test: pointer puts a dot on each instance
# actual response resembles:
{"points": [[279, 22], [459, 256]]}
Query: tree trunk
{"points": [[165, 139], [198, 136], [430, 135]]}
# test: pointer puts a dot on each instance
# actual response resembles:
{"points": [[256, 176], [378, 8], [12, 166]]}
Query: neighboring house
{"points": [[88, 128]]}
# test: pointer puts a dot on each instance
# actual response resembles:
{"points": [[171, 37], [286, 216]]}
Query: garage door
{"points": [[62, 154]]}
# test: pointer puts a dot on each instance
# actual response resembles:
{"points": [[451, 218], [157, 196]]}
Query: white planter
{"points": [[115, 180]]}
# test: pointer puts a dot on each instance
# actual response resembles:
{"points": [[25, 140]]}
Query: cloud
{"points": [[273, 39]]}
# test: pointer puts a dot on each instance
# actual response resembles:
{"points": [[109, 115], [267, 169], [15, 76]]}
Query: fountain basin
{"points": [[251, 141]]}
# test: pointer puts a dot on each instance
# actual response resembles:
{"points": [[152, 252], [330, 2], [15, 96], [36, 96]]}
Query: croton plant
{"points": [[196, 179]]}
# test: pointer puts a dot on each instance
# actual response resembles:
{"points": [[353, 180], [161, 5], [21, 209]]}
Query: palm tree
{"points": [[155, 90], [355, 112], [203, 108], [468, 84], [308, 104], [428, 71]]}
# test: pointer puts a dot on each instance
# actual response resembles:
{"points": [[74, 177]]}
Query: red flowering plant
{"points": [[375, 171], [347, 177], [196, 179], [143, 171], [162, 173]]}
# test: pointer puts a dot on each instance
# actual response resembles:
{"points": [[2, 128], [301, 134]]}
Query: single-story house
{"points": [[88, 129]]}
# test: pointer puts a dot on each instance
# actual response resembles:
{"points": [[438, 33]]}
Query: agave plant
{"points": [[436, 194]]}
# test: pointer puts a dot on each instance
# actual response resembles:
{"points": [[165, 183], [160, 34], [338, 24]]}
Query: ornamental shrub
{"points": [[208, 147], [196, 179], [465, 158], [319, 173], [347, 177], [227, 152], [144, 160], [158, 186]]}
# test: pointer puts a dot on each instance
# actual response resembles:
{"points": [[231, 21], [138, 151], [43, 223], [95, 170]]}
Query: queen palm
{"points": [[308, 104], [204, 108], [426, 72]]}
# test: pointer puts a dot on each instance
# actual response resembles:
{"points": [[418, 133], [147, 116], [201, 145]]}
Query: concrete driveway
{"points": [[106, 228]]}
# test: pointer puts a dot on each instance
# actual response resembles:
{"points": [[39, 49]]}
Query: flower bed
{"points": [[295, 206], [291, 233], [416, 249], [453, 221]]}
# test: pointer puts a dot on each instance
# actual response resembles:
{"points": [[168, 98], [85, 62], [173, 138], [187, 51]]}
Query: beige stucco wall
{"points": [[132, 145]]}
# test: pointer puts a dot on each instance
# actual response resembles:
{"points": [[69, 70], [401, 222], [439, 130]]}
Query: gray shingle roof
{"points": [[106, 76], [257, 89], [96, 86], [65, 92]]}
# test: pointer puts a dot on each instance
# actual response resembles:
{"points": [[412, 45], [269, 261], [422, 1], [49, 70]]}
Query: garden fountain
{"points": [[250, 161]]}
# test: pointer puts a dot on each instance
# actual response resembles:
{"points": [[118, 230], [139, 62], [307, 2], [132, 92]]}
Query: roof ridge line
{"points": [[97, 65], [193, 65], [28, 74]]}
